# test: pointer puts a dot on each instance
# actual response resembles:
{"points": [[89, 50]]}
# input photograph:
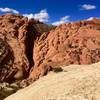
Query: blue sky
{"points": [[53, 11]]}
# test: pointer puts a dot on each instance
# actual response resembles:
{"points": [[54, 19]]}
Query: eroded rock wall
{"points": [[72, 43], [17, 34]]}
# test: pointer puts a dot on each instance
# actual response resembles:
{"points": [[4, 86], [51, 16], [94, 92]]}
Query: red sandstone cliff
{"points": [[72, 43], [17, 35], [26, 52]]}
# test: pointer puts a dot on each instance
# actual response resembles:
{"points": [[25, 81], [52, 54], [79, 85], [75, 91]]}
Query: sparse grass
{"points": [[57, 70]]}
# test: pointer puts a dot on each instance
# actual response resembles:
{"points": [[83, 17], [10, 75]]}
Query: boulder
{"points": [[7, 89]]}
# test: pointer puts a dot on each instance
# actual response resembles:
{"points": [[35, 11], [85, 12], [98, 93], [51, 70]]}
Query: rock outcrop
{"points": [[72, 43], [75, 82], [7, 89], [17, 35], [28, 49]]}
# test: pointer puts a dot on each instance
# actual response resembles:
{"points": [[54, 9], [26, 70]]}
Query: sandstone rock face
{"points": [[72, 43], [24, 53], [13, 29], [17, 35], [75, 82], [6, 59]]}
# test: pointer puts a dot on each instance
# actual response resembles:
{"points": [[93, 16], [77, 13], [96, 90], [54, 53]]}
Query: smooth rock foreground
{"points": [[75, 82]]}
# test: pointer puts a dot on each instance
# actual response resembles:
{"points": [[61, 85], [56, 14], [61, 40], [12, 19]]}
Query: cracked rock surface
{"points": [[71, 43]]}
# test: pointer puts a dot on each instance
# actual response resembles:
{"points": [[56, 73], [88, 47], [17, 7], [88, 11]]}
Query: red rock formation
{"points": [[72, 43], [16, 32]]}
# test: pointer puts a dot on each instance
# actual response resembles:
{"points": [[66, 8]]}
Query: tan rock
{"points": [[75, 82]]}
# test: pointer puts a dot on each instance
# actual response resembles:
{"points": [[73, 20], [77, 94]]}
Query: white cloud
{"points": [[91, 18], [29, 15], [62, 20], [88, 7], [42, 16], [9, 10]]}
